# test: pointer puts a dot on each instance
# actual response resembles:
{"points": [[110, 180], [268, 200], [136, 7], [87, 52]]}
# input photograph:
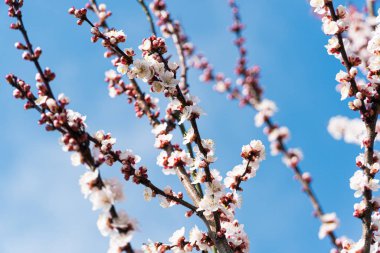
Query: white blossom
{"points": [[329, 223], [87, 182], [359, 182]]}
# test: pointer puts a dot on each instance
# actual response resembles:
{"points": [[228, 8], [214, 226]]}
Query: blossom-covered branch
{"points": [[365, 96], [162, 127], [160, 73], [103, 194], [250, 95], [144, 103]]}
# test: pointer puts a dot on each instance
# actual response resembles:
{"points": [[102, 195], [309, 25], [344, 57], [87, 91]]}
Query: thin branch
{"points": [[66, 129], [148, 16], [184, 69], [181, 171], [371, 8], [257, 94], [29, 45]]}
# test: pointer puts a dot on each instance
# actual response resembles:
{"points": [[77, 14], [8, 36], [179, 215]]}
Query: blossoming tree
{"points": [[141, 74]]}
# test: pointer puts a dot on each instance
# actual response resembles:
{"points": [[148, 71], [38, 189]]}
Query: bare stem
{"points": [[148, 16]]}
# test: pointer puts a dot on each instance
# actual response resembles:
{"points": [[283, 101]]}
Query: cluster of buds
{"points": [[222, 83], [22, 90], [170, 27], [14, 10], [110, 38], [198, 240], [142, 105], [249, 76], [153, 45], [80, 14], [101, 11]]}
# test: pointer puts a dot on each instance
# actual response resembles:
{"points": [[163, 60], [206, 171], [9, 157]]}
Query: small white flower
{"points": [[122, 68], [102, 199], [87, 182], [329, 223], [167, 78], [148, 194], [177, 236], [333, 45], [189, 136], [162, 140], [41, 100], [142, 69], [359, 182], [317, 3], [254, 151], [104, 224], [76, 159], [330, 27], [160, 129]]}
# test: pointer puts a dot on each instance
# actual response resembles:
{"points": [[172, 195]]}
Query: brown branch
{"points": [[29, 45], [370, 119], [367, 195], [85, 149], [240, 179], [148, 16], [95, 8], [93, 166], [184, 68], [180, 171], [371, 8]]}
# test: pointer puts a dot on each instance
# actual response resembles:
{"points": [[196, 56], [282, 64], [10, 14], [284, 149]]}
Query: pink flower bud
{"points": [[71, 11], [37, 52]]}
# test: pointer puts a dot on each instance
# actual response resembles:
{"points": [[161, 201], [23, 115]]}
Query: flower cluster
{"points": [[101, 11], [365, 53], [349, 246], [335, 23], [89, 150], [170, 162], [358, 34], [330, 222], [197, 240], [170, 27], [216, 200], [103, 195], [360, 182], [349, 130]]}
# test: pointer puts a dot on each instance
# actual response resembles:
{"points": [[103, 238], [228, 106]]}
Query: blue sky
{"points": [[42, 209]]}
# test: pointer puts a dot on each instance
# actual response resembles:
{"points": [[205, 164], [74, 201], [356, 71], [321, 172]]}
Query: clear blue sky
{"points": [[42, 209]]}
